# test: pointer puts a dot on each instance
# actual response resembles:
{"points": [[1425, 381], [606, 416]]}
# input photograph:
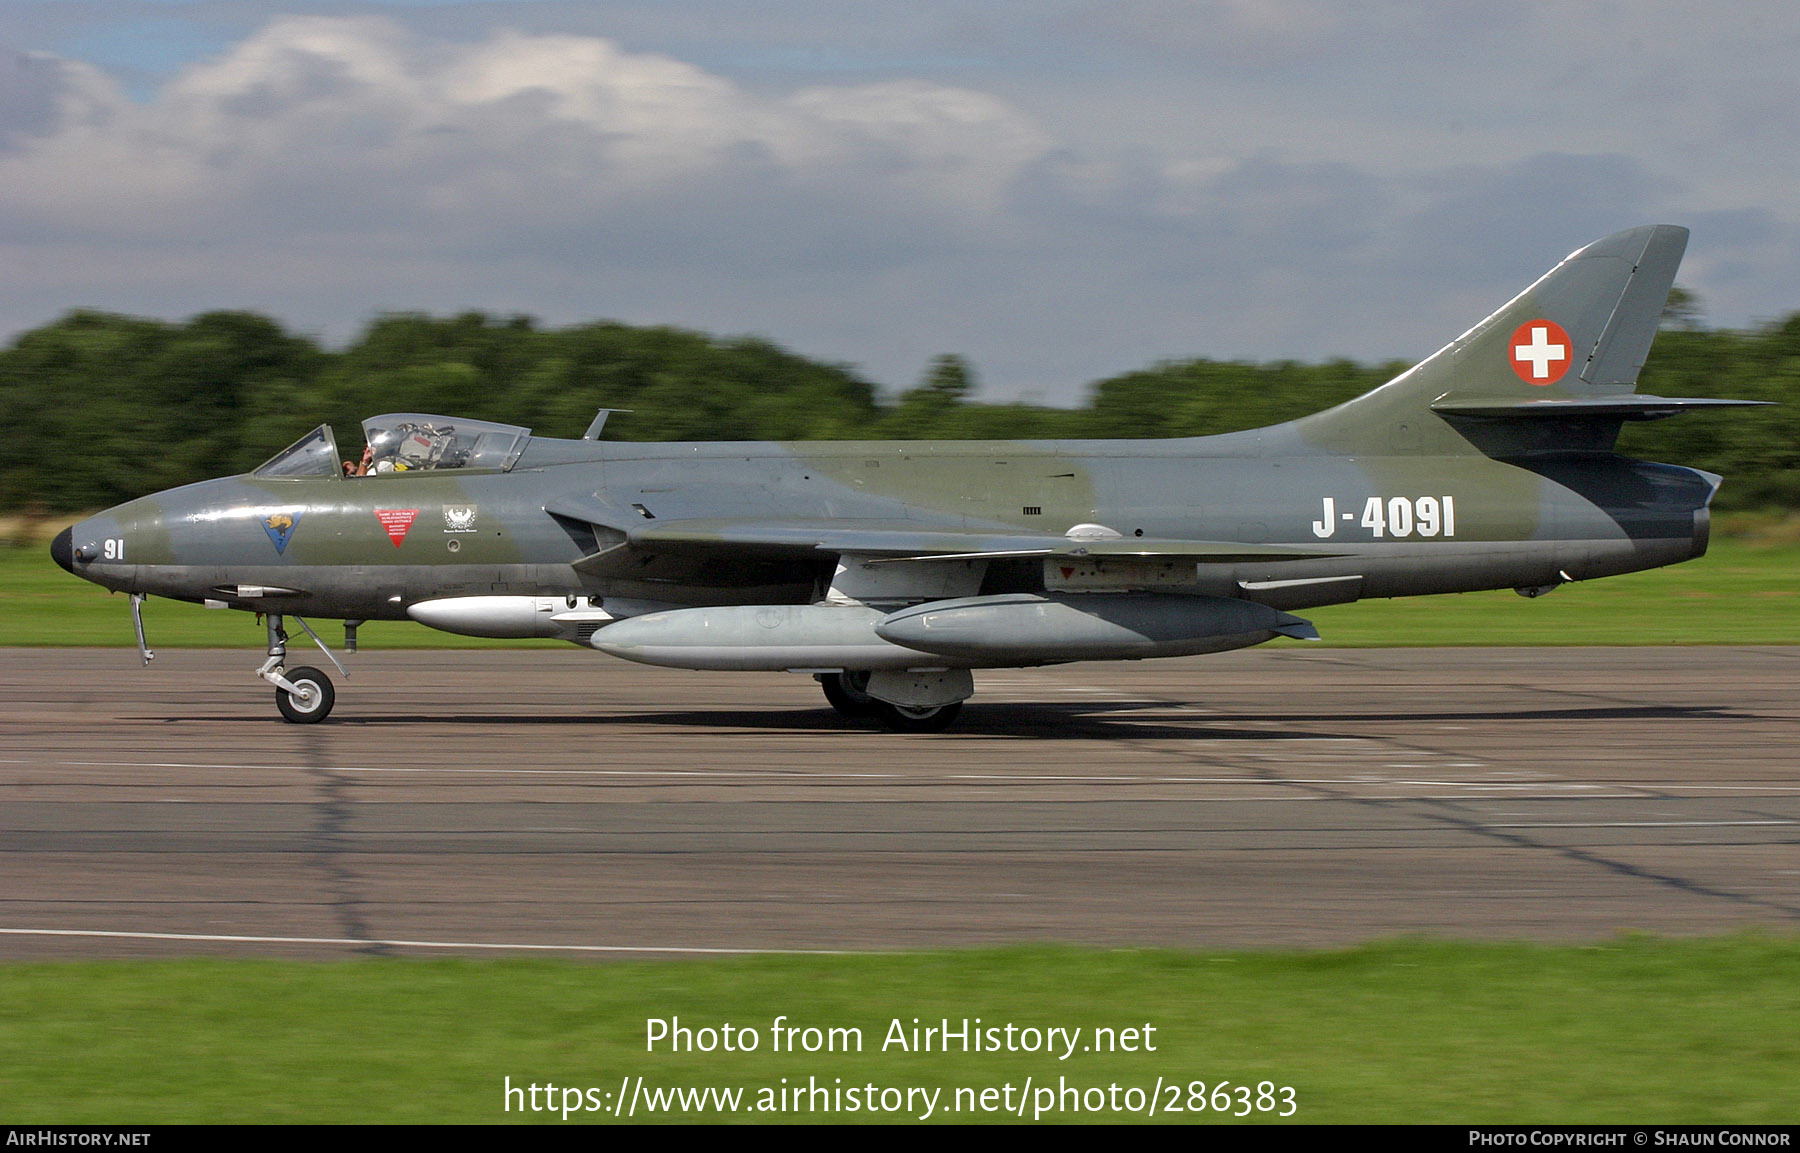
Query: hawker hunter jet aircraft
{"points": [[891, 570]]}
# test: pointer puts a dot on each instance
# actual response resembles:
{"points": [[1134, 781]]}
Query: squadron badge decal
{"points": [[459, 518], [280, 527]]}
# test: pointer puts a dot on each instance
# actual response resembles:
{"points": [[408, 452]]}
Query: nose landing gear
{"points": [[304, 695]]}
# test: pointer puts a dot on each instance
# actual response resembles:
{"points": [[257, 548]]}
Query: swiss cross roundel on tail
{"points": [[1540, 351]]}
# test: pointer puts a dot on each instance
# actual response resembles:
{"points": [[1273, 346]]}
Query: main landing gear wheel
{"points": [[312, 703], [906, 719], [848, 693]]}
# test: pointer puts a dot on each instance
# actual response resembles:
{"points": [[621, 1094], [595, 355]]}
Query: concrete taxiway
{"points": [[487, 803]]}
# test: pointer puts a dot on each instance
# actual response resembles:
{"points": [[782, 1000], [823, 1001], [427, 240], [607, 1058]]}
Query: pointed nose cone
{"points": [[62, 549]]}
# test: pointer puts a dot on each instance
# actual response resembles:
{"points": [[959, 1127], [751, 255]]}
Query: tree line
{"points": [[96, 408]]}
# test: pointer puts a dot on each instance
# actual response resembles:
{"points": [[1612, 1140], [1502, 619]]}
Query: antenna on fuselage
{"points": [[593, 430]]}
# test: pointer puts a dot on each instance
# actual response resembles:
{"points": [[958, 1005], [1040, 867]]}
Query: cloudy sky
{"points": [[1057, 189]]}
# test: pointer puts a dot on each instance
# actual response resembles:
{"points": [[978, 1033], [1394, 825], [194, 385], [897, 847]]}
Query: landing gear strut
{"points": [[304, 695]]}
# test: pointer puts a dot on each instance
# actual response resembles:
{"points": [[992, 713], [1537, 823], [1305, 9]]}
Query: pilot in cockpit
{"points": [[362, 469]]}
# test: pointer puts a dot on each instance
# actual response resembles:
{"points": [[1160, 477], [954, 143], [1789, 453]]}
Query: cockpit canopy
{"points": [[411, 441], [403, 442]]}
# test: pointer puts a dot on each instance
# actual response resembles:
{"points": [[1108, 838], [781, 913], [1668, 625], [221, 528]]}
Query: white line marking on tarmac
{"points": [[800, 775], [401, 944], [1635, 824]]}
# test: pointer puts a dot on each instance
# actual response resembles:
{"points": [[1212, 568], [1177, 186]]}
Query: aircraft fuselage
{"points": [[370, 547]]}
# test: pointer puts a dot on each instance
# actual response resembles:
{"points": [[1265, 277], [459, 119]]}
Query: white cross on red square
{"points": [[1540, 351]]}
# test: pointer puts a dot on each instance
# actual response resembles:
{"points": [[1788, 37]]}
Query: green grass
{"points": [[1740, 593], [1638, 1030], [41, 605]]}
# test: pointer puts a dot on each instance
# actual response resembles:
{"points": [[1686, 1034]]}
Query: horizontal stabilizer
{"points": [[1627, 407]]}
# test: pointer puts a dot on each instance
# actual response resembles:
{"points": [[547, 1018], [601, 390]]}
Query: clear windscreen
{"points": [[314, 454]]}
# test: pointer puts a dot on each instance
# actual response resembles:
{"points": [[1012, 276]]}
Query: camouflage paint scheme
{"points": [[1488, 465]]}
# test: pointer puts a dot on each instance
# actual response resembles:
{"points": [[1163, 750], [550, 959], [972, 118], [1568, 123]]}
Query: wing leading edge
{"points": [[892, 543]]}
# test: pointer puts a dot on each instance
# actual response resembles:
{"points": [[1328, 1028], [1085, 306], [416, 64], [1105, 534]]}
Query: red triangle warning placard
{"points": [[396, 521]]}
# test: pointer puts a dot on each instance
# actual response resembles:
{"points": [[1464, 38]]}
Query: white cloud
{"points": [[324, 169], [386, 127]]}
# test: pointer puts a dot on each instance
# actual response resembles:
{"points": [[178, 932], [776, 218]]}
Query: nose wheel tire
{"points": [[905, 719], [313, 703], [847, 693]]}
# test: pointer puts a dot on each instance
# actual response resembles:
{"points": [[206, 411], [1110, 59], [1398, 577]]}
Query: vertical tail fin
{"points": [[1579, 334], [1583, 330]]}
